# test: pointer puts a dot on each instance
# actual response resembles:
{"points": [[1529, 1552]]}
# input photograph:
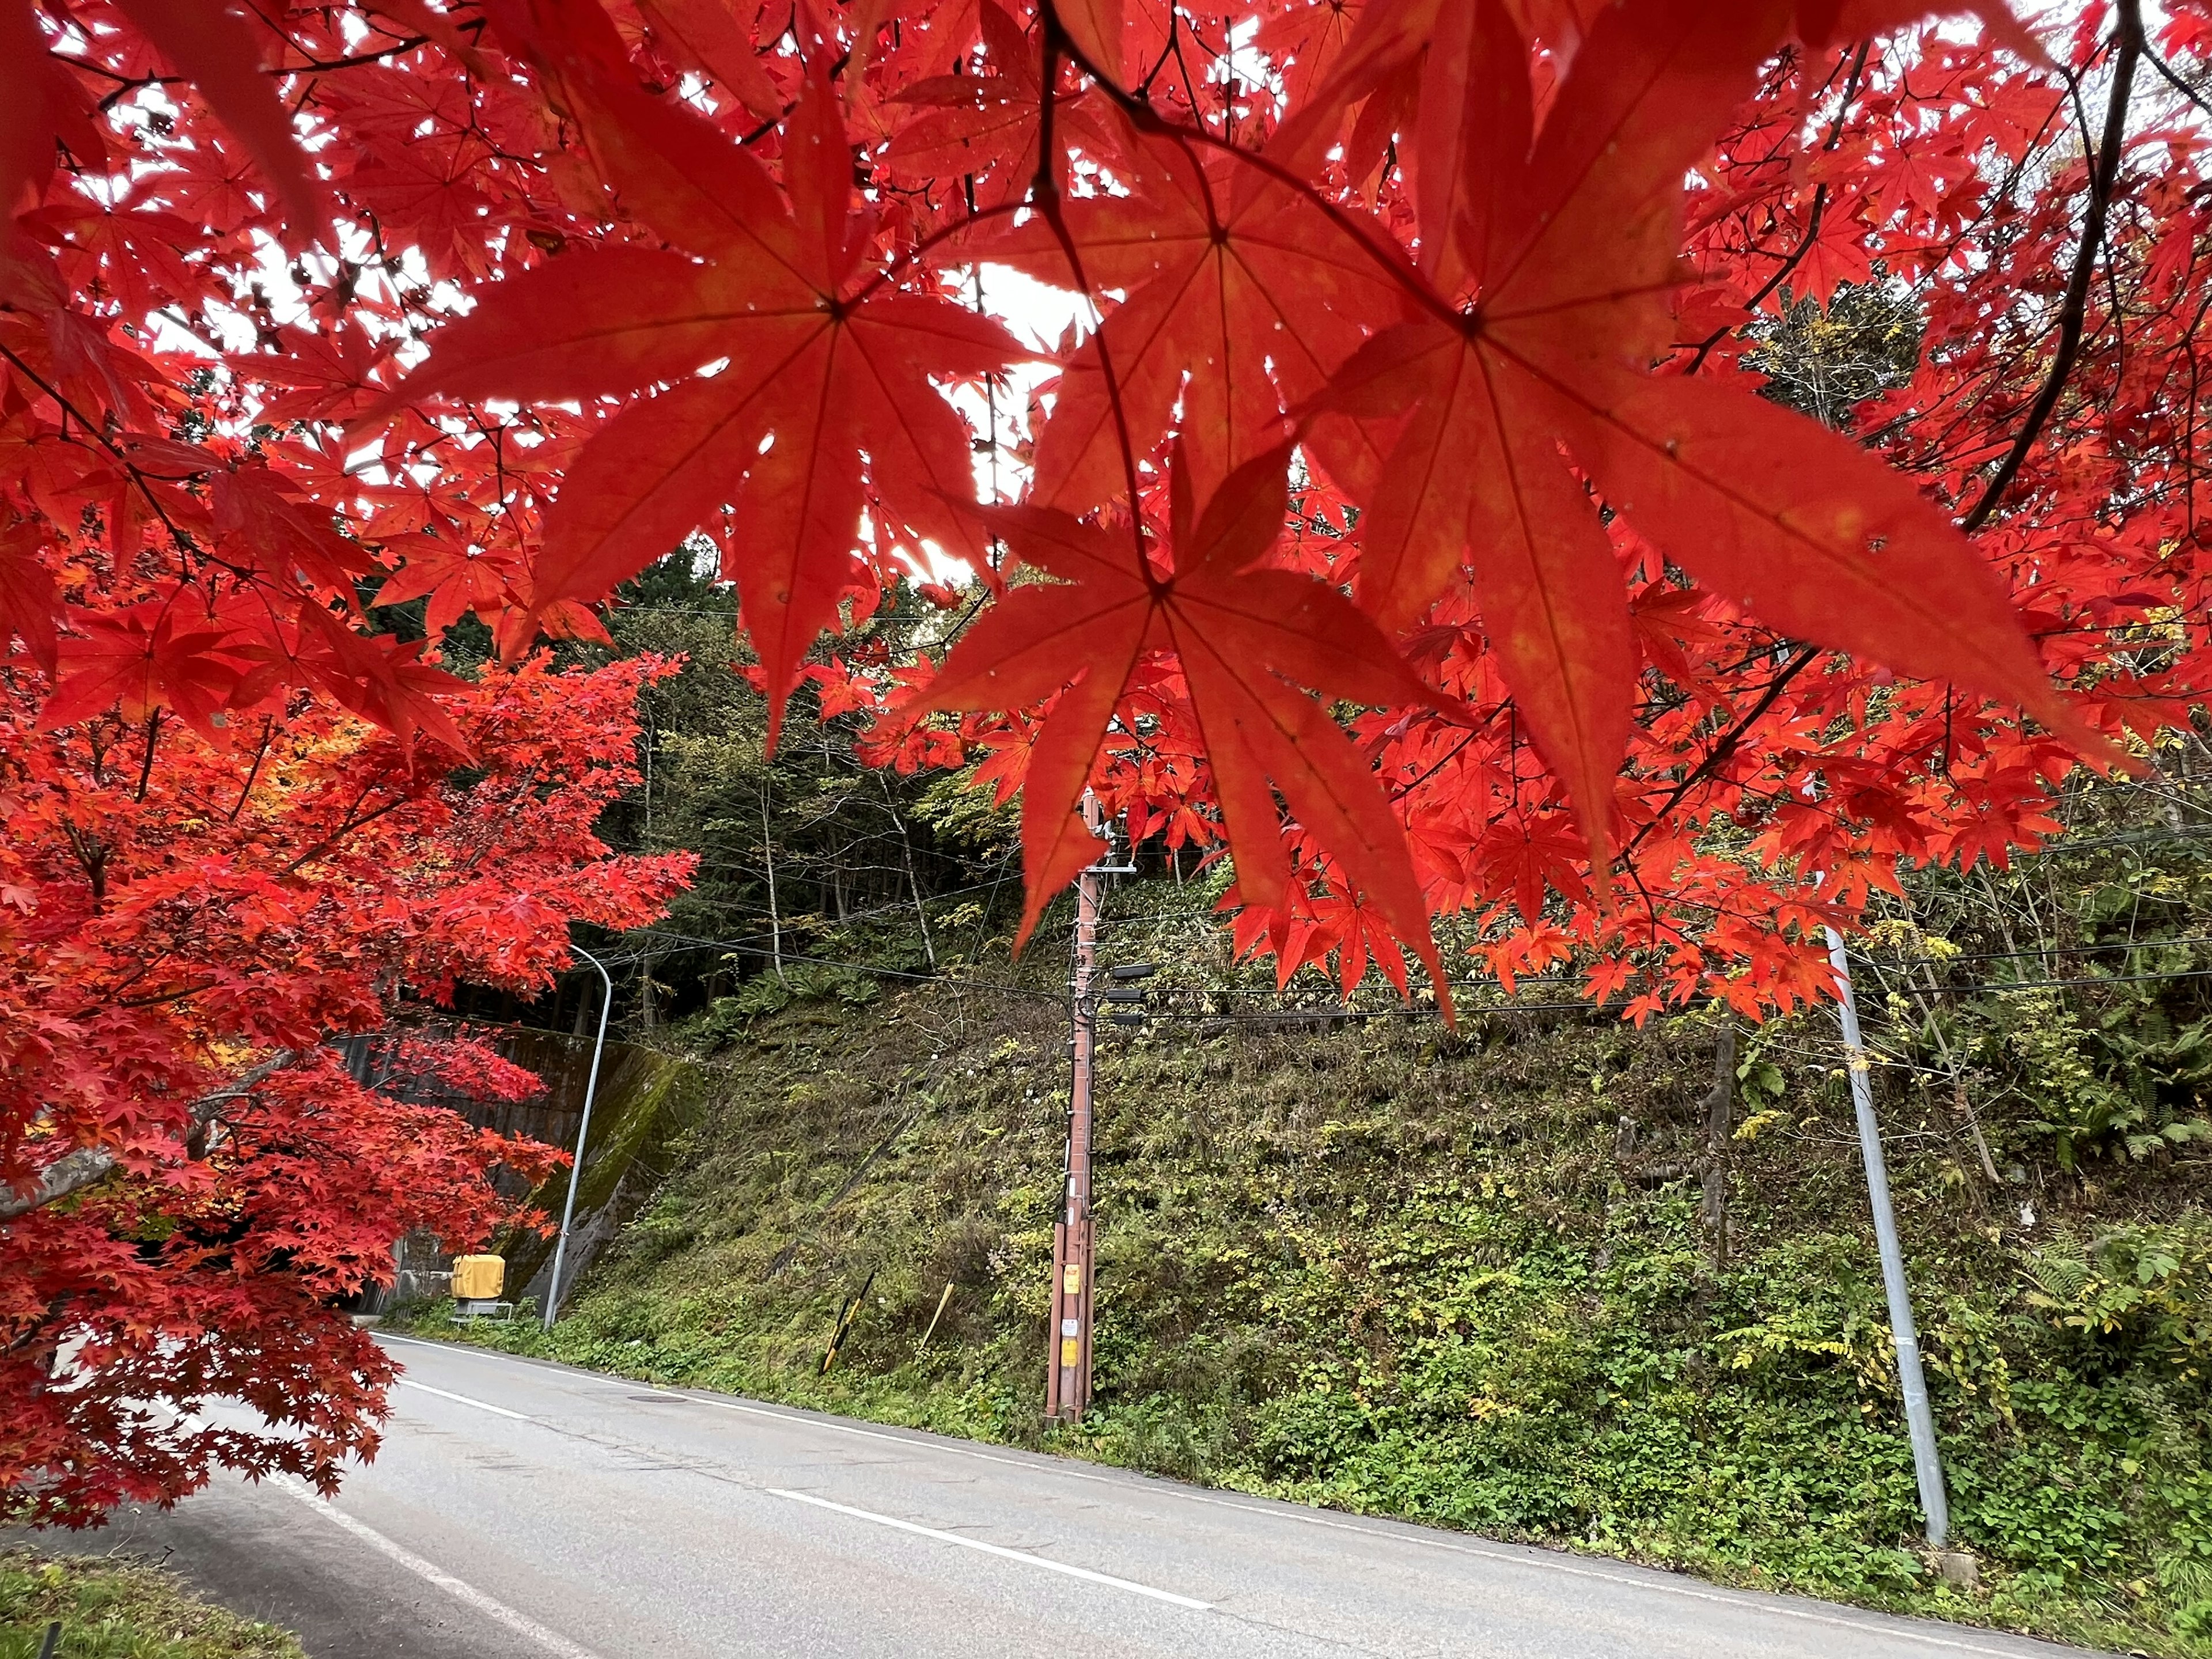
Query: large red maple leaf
{"points": [[1242, 297], [1253, 643], [810, 361], [1515, 405]]}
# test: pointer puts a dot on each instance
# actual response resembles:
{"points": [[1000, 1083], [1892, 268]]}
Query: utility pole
{"points": [[583, 1134], [1920, 1423], [1068, 1385]]}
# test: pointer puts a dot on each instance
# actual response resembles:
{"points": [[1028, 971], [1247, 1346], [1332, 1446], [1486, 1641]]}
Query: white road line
{"points": [[1045, 1562], [463, 1400], [1408, 1533], [492, 1609], [1544, 1561], [1023, 1556]]}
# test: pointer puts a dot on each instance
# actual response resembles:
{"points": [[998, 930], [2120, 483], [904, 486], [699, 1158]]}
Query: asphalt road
{"points": [[521, 1510]]}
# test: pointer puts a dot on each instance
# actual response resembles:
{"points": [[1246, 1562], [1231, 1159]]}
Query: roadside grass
{"points": [[114, 1607]]}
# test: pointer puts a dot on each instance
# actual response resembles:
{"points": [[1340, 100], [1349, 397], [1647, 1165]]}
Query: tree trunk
{"points": [[913, 883]]}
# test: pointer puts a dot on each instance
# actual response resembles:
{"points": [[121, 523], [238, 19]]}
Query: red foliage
{"points": [[1448, 310], [191, 1177]]}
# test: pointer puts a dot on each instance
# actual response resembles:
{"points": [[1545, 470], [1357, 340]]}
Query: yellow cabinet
{"points": [[478, 1278]]}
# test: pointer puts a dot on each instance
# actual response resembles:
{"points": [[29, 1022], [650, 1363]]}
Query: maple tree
{"points": [[1398, 514], [190, 1177]]}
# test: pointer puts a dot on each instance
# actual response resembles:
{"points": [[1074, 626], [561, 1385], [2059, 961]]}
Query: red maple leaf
{"points": [[1540, 379], [1249, 640], [815, 360]]}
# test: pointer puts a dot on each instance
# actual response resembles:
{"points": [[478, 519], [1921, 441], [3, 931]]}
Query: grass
{"points": [[114, 1607]]}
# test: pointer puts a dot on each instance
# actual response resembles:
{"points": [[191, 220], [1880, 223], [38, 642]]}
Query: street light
{"points": [[583, 1134]]}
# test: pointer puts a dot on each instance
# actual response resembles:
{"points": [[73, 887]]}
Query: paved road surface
{"points": [[521, 1510]]}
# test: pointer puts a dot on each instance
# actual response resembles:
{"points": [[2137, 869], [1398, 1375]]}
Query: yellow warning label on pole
{"points": [[1071, 1351], [1073, 1280]]}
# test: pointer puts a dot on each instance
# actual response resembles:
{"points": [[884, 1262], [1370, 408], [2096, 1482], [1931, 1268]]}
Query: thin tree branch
{"points": [[74, 1171], [2104, 174], [1725, 746]]}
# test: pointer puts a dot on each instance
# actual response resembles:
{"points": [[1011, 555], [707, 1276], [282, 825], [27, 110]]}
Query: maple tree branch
{"points": [[153, 737], [1399, 792], [1807, 242], [1723, 747], [894, 267], [2175, 81], [1791, 261], [75, 1170], [342, 832], [175, 993], [135, 473], [2104, 174], [245, 792], [360, 60]]}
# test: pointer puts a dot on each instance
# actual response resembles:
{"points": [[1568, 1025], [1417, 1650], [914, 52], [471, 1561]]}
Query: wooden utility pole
{"points": [[1720, 1128], [1067, 1385]]}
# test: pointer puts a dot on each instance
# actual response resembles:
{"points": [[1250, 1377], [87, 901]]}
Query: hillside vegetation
{"points": [[1473, 1279]]}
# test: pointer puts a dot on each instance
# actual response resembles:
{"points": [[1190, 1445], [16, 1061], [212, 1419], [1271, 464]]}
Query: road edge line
{"points": [[490, 1605], [1000, 1550], [464, 1400]]}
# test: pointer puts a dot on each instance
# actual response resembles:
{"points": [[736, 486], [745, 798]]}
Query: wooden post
{"points": [[1720, 1128], [1068, 1386]]}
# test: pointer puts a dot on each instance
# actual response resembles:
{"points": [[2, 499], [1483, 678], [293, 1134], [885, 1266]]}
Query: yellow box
{"points": [[478, 1278]]}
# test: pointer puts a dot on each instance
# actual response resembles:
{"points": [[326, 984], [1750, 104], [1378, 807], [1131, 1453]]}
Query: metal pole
{"points": [[1927, 1461], [583, 1135]]}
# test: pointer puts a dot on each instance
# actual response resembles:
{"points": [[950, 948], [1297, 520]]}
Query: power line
{"points": [[2044, 951], [2156, 838]]}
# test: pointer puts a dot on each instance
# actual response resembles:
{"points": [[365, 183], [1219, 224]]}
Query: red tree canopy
{"points": [[1425, 383], [189, 1176], [1414, 366]]}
